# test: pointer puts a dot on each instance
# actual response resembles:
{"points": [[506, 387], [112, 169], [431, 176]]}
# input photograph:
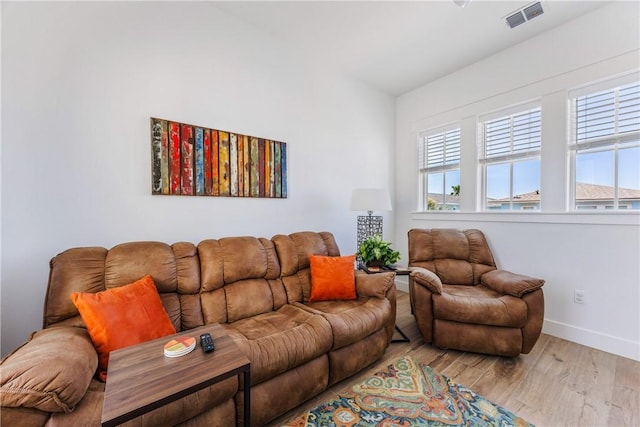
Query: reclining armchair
{"points": [[460, 300]]}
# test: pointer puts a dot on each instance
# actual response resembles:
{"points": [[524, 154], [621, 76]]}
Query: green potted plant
{"points": [[376, 252]]}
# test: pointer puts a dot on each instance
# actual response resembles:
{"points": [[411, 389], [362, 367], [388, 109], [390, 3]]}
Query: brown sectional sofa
{"points": [[257, 288]]}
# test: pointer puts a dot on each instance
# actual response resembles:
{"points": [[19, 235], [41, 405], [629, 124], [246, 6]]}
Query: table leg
{"points": [[404, 336], [247, 397]]}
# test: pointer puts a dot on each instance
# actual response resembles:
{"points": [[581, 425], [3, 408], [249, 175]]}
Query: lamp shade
{"points": [[370, 199]]}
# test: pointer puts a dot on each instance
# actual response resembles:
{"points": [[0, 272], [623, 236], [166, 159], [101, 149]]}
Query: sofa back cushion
{"points": [[174, 269], [197, 285], [293, 252], [74, 270], [240, 278], [458, 257]]}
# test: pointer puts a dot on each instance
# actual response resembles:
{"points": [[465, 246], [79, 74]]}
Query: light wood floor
{"points": [[559, 383]]}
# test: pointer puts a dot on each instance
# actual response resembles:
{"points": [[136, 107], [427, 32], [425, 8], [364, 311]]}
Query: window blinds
{"points": [[600, 116], [438, 151], [511, 137]]}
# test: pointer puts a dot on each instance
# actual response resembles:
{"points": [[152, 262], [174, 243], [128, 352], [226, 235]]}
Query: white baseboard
{"points": [[605, 342]]}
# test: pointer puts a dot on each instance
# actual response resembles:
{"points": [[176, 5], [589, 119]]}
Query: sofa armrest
{"points": [[374, 285], [426, 278], [508, 283], [51, 372]]}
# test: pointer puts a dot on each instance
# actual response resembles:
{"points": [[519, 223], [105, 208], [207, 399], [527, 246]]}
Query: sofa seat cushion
{"points": [[479, 305], [352, 321], [278, 341]]}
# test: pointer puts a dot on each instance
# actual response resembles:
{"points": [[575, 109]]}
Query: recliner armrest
{"points": [[51, 372], [426, 278], [374, 285], [508, 283]]}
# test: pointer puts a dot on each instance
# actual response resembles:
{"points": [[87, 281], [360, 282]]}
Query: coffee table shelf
{"points": [[140, 378]]}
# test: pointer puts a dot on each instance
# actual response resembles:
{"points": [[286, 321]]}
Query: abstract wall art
{"points": [[191, 160]]}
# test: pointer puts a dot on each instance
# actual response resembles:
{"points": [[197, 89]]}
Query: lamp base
{"points": [[368, 226]]}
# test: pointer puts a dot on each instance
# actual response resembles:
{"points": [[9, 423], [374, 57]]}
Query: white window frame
{"points": [[609, 143], [446, 161], [511, 156]]}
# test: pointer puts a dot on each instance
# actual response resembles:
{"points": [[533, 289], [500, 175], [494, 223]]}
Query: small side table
{"points": [[400, 271], [140, 378]]}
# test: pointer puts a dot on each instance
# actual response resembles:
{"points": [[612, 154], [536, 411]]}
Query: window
{"points": [[510, 158], [439, 167], [605, 145]]}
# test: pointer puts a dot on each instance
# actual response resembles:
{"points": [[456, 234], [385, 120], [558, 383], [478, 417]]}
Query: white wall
{"points": [[79, 83], [596, 253]]}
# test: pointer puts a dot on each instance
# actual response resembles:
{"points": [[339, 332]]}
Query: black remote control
{"points": [[207, 343]]}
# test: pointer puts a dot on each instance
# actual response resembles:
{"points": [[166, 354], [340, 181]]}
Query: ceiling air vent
{"points": [[516, 19], [532, 11], [525, 14]]}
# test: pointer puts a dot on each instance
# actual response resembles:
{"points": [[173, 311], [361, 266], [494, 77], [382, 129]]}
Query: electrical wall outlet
{"points": [[579, 296]]}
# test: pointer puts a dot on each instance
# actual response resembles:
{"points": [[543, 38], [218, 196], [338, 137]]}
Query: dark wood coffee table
{"points": [[140, 378]]}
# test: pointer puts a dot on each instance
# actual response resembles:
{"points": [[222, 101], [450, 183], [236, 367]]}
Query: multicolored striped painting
{"points": [[193, 160]]}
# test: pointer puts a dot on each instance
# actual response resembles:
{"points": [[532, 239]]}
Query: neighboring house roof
{"points": [[584, 191], [602, 192], [452, 200]]}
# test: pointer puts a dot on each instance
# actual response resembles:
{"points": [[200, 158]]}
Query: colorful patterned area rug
{"points": [[408, 393]]}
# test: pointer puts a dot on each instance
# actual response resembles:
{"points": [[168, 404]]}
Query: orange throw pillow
{"points": [[123, 316], [332, 278]]}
